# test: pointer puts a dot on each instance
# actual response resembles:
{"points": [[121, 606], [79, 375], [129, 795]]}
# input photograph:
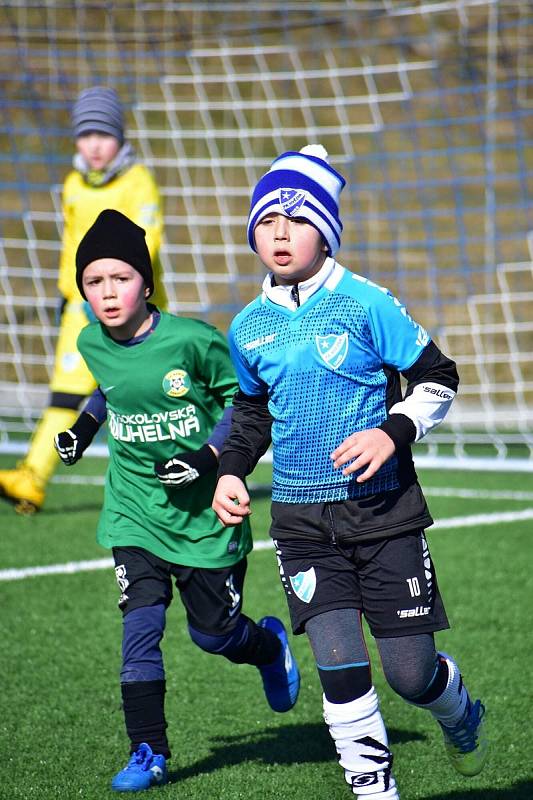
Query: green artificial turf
{"points": [[61, 726]]}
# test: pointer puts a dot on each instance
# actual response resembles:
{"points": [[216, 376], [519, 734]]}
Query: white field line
{"points": [[262, 544], [482, 519], [476, 494], [445, 491]]}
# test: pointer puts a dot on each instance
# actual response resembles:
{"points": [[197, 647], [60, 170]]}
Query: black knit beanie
{"points": [[113, 235]]}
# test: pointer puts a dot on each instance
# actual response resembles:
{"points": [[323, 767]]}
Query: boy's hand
{"points": [[369, 449], [184, 468], [231, 502], [72, 443]]}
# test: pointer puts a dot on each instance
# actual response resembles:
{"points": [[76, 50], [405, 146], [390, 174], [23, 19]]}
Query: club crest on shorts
{"points": [[332, 349], [304, 584], [291, 200], [176, 383]]}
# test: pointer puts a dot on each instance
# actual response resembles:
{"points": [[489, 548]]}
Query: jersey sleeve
{"points": [[217, 368], [398, 339], [432, 384], [96, 406], [404, 345], [146, 210], [67, 258], [249, 382], [249, 437]]}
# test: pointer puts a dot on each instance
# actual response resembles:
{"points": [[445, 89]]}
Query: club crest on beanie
{"points": [[303, 185], [98, 110], [113, 235]]}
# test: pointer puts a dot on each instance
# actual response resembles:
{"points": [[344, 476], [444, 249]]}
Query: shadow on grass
{"points": [[288, 744], [519, 791]]}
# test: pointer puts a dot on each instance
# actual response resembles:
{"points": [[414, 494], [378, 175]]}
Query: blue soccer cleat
{"points": [[281, 679], [143, 771], [466, 743]]}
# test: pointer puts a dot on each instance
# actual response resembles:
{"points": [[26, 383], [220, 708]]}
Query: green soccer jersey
{"points": [[164, 396]]}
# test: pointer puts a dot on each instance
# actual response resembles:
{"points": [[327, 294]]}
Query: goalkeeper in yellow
{"points": [[105, 175]]}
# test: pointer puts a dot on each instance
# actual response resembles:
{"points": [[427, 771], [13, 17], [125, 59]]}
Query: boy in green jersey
{"points": [[166, 384]]}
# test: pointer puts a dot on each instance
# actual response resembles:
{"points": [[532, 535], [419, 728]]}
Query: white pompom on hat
{"points": [[303, 185]]}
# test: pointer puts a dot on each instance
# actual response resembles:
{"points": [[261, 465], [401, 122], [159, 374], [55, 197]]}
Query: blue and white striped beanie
{"points": [[301, 185]]}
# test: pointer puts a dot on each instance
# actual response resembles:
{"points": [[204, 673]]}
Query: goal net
{"points": [[424, 107]]}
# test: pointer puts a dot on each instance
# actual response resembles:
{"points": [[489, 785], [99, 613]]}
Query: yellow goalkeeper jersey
{"points": [[134, 193]]}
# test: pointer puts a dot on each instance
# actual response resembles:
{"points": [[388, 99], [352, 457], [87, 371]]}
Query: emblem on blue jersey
{"points": [[304, 584], [291, 200], [332, 349]]}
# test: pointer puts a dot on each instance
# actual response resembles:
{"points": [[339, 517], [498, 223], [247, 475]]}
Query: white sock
{"points": [[361, 741], [451, 706]]}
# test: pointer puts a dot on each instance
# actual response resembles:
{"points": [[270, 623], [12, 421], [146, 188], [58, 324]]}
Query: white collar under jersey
{"points": [[328, 275]]}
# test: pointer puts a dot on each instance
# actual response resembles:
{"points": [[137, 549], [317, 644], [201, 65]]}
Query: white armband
{"points": [[426, 406]]}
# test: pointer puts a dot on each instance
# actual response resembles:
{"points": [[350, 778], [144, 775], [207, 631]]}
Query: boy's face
{"points": [[117, 295], [290, 247], [98, 149]]}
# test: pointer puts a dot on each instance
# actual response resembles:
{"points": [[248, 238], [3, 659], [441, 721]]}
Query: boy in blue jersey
{"points": [[319, 357]]}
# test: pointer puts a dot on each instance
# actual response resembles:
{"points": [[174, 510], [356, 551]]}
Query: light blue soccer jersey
{"points": [[323, 368]]}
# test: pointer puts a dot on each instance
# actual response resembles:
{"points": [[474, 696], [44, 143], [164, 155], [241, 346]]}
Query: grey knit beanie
{"points": [[98, 109]]}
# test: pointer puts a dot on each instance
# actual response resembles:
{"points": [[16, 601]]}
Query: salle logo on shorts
{"points": [[291, 200], [332, 349], [304, 584], [176, 383]]}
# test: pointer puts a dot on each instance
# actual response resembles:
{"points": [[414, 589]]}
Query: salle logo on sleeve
{"points": [[332, 349], [304, 584], [176, 383]]}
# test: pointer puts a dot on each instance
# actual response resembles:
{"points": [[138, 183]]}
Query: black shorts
{"points": [[391, 581], [212, 597]]}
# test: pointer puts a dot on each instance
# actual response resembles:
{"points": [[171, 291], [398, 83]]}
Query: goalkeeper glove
{"points": [[184, 468], [72, 443]]}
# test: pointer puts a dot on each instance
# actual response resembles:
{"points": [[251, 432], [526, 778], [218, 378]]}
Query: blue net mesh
{"points": [[425, 108]]}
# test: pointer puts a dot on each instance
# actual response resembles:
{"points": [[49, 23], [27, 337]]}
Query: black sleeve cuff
{"points": [[85, 428], [204, 460], [400, 428], [233, 463]]}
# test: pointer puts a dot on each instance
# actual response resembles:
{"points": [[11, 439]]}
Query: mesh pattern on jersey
{"points": [[315, 407]]}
